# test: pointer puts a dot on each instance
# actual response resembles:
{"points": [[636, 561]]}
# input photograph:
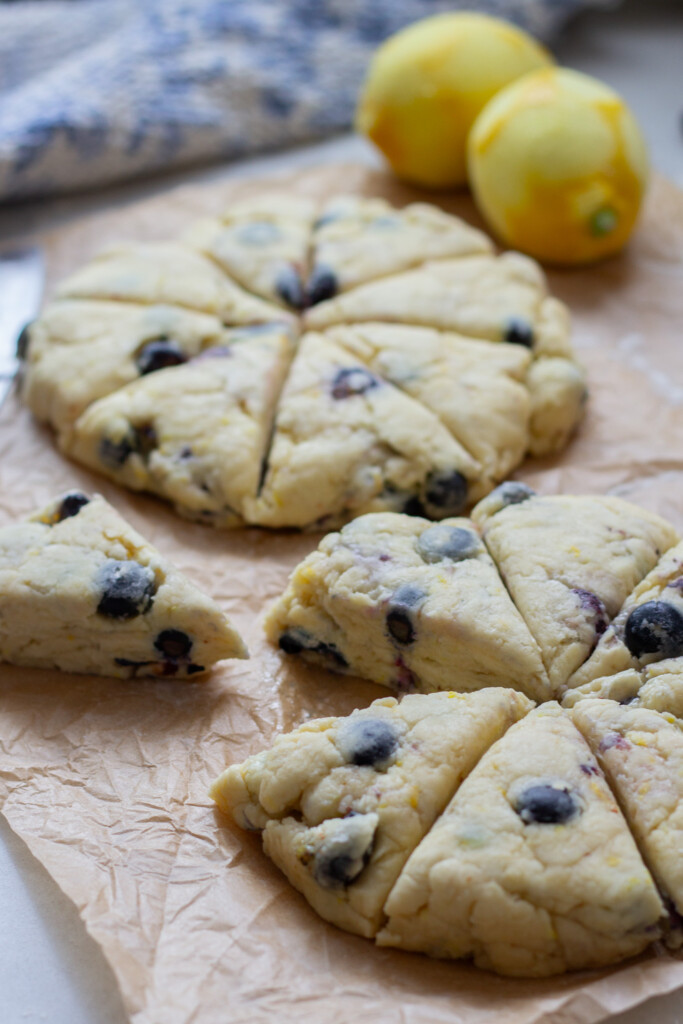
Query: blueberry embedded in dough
{"points": [[368, 741], [444, 494], [173, 643], [353, 380], [547, 803], [447, 542], [510, 492], [140, 440], [400, 621], [594, 611], [519, 332], [159, 353], [338, 850], [290, 288], [23, 342], [298, 641], [322, 285], [127, 589], [71, 504], [655, 627]]}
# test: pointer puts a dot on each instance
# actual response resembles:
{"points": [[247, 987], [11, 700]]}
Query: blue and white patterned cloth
{"points": [[96, 91]]}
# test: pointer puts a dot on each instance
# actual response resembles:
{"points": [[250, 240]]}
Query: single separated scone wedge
{"points": [[569, 563], [343, 801], [409, 604], [82, 591], [356, 239], [195, 434], [644, 643], [531, 870], [347, 442], [641, 753]]}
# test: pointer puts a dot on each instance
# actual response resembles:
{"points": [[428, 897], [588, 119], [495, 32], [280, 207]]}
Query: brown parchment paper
{"points": [[106, 781]]}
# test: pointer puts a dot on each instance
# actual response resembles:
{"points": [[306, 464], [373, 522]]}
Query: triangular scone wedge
{"points": [[648, 628], [263, 244], [569, 563], [195, 434], [409, 604], [498, 298], [344, 801], [658, 686], [82, 591], [167, 272], [80, 350], [531, 870], [357, 239], [475, 387], [348, 442], [641, 753]]}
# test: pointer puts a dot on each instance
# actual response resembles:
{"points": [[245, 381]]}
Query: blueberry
{"points": [[445, 494], [327, 218], [289, 287], [298, 641], [519, 332], [594, 609], [158, 354], [510, 493], [546, 804], [139, 440], [399, 620], [258, 232], [23, 341], [173, 643], [655, 628], [345, 850], [367, 741], [452, 542], [353, 380], [127, 589], [71, 504], [322, 284]]}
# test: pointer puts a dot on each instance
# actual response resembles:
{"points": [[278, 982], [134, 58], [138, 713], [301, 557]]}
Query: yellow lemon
{"points": [[427, 84], [558, 166]]}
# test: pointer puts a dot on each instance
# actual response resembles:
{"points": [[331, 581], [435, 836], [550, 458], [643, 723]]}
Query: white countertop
{"points": [[51, 971]]}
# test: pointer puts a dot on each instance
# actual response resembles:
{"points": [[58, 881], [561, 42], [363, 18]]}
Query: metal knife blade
{"points": [[22, 274]]}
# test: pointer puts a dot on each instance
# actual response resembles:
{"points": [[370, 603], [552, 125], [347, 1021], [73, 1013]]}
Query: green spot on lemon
{"points": [[603, 221]]}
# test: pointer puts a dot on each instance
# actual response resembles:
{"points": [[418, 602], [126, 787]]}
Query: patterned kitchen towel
{"points": [[96, 91]]}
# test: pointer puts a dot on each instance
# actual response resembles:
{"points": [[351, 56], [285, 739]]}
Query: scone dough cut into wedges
{"points": [[648, 631], [81, 591], [498, 298], [409, 604], [167, 272], [569, 563], [195, 434], [531, 870], [348, 442], [263, 244], [641, 753], [475, 387], [83, 349], [356, 240], [344, 801], [658, 686]]}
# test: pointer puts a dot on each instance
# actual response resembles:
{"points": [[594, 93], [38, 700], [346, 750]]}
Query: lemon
{"points": [[558, 167], [427, 84]]}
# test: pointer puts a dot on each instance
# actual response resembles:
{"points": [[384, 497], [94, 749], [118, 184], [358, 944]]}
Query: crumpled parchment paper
{"points": [[106, 781]]}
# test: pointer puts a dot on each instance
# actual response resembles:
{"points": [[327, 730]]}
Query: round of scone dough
{"points": [[82, 591], [447, 364], [531, 870], [343, 802]]}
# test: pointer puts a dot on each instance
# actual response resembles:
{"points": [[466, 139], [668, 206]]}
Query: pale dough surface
{"points": [[641, 753], [196, 434], [569, 563], [54, 575], [524, 896], [344, 801], [380, 600], [347, 442]]}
